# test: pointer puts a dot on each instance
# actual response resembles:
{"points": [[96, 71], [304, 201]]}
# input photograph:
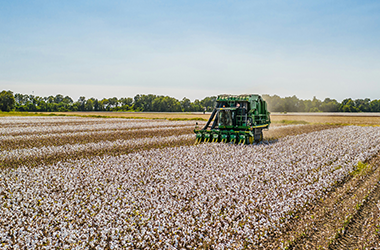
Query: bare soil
{"points": [[355, 233]]}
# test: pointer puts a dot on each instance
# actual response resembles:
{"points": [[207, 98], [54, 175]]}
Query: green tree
{"points": [[49, 99], [89, 106], [81, 103], [208, 103], [166, 104], [275, 103], [363, 105], [104, 104], [348, 105], [126, 103], [186, 105], [113, 103], [293, 104], [144, 102], [67, 100], [42, 105], [197, 106], [375, 106], [21, 99], [96, 105], [7, 101], [330, 105], [58, 98]]}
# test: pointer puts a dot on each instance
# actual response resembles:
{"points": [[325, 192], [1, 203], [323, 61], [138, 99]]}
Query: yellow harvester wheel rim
{"points": [[250, 140]]}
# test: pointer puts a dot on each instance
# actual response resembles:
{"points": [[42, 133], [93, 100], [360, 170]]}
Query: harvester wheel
{"points": [[251, 140]]}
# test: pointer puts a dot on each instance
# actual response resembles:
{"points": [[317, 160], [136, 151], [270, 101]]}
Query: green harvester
{"points": [[236, 119]]}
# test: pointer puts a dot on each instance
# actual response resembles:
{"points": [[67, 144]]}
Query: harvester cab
{"points": [[236, 119]]}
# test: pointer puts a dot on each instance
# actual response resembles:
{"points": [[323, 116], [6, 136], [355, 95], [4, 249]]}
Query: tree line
{"points": [[294, 104], [140, 103], [159, 103]]}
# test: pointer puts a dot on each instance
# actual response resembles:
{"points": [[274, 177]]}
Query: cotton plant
{"points": [[112, 124], [190, 197], [25, 154], [37, 136]]}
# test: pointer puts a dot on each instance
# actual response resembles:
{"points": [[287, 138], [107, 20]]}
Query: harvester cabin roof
{"points": [[245, 97]]}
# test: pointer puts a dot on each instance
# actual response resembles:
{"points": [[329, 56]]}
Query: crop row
{"points": [[34, 156], [219, 195], [9, 142], [124, 124], [43, 120], [70, 148], [39, 119]]}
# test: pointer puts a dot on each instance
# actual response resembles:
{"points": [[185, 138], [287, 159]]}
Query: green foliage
{"points": [[154, 103], [148, 103], [7, 101], [293, 104], [361, 168]]}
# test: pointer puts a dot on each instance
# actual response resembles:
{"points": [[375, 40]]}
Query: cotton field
{"points": [[83, 126], [173, 196]]}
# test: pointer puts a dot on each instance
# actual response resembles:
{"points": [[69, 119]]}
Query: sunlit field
{"points": [[71, 182]]}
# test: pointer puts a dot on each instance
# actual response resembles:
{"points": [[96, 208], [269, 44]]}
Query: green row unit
{"points": [[236, 119]]}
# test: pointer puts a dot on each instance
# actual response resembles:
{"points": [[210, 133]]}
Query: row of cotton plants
{"points": [[210, 195], [16, 138], [31, 153], [20, 120], [121, 124]]}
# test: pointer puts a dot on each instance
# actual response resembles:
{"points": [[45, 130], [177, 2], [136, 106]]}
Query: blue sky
{"points": [[191, 48]]}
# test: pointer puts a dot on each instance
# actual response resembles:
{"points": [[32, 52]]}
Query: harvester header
{"points": [[236, 119]]}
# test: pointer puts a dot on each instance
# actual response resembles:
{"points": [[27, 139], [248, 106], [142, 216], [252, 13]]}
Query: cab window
{"points": [[225, 118]]}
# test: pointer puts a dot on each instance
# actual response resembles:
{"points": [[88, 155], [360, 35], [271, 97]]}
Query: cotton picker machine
{"points": [[236, 119]]}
